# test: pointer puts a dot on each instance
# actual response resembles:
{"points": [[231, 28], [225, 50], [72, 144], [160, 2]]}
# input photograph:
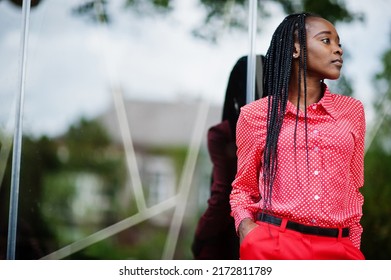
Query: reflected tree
{"points": [[219, 14], [81, 197], [19, 3], [35, 239], [83, 163]]}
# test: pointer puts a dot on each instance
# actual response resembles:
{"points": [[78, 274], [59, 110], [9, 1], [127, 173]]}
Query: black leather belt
{"points": [[321, 231]]}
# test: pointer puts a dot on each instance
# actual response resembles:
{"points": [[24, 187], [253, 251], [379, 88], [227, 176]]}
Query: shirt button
{"points": [[316, 172], [314, 106], [316, 197], [316, 149], [316, 131], [313, 221]]}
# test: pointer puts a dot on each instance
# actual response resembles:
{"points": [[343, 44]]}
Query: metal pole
{"points": [[252, 31], [17, 144]]}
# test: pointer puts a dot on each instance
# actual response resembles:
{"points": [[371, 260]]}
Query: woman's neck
{"points": [[314, 93]]}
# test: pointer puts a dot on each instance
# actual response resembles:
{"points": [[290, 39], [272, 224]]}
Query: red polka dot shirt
{"points": [[326, 191]]}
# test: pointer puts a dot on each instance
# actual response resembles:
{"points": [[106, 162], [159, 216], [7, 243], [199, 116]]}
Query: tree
{"points": [[92, 165], [377, 189], [19, 3], [219, 14], [50, 171], [34, 237]]}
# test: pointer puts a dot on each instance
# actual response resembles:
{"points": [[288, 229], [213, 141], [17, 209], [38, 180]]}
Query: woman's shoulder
{"points": [[348, 107], [345, 101], [345, 98]]}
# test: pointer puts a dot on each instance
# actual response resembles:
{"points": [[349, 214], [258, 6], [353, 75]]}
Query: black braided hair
{"points": [[278, 68], [236, 92]]}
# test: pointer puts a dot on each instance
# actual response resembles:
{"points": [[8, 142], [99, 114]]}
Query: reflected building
{"points": [[160, 130]]}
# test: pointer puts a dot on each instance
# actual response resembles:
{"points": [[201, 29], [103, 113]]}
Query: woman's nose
{"points": [[339, 50]]}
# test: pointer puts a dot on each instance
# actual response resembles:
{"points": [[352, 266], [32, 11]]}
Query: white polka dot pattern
{"points": [[323, 191]]}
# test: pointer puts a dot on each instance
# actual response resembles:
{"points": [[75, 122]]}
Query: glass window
{"points": [[116, 109]]}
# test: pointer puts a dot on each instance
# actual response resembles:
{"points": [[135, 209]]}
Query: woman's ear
{"points": [[296, 50]]}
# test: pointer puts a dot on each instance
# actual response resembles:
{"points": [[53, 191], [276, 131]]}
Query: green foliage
{"points": [[95, 10], [56, 175], [89, 160], [334, 11], [157, 5], [89, 148], [34, 235], [73, 184], [19, 3], [219, 14], [142, 242], [58, 193], [385, 74], [376, 239]]}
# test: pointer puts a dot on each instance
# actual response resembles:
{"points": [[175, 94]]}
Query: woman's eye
{"points": [[326, 40]]}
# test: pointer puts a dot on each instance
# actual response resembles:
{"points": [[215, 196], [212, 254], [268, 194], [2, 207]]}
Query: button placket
{"points": [[316, 167], [315, 132]]}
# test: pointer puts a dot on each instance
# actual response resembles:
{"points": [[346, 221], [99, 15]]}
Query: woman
{"points": [[296, 194]]}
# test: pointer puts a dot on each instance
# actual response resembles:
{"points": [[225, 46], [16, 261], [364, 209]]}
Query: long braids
{"points": [[278, 67]]}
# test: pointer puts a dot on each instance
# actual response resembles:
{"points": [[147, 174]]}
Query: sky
{"points": [[72, 63]]}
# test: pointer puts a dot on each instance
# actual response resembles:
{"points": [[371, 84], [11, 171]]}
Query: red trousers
{"points": [[270, 242]]}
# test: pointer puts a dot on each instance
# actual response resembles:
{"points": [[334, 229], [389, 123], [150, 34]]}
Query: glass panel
{"points": [[12, 97], [118, 102]]}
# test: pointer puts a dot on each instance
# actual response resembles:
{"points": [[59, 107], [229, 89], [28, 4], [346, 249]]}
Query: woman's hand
{"points": [[246, 225]]}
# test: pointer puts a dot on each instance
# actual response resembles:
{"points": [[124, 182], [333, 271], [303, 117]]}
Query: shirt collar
{"points": [[327, 102]]}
